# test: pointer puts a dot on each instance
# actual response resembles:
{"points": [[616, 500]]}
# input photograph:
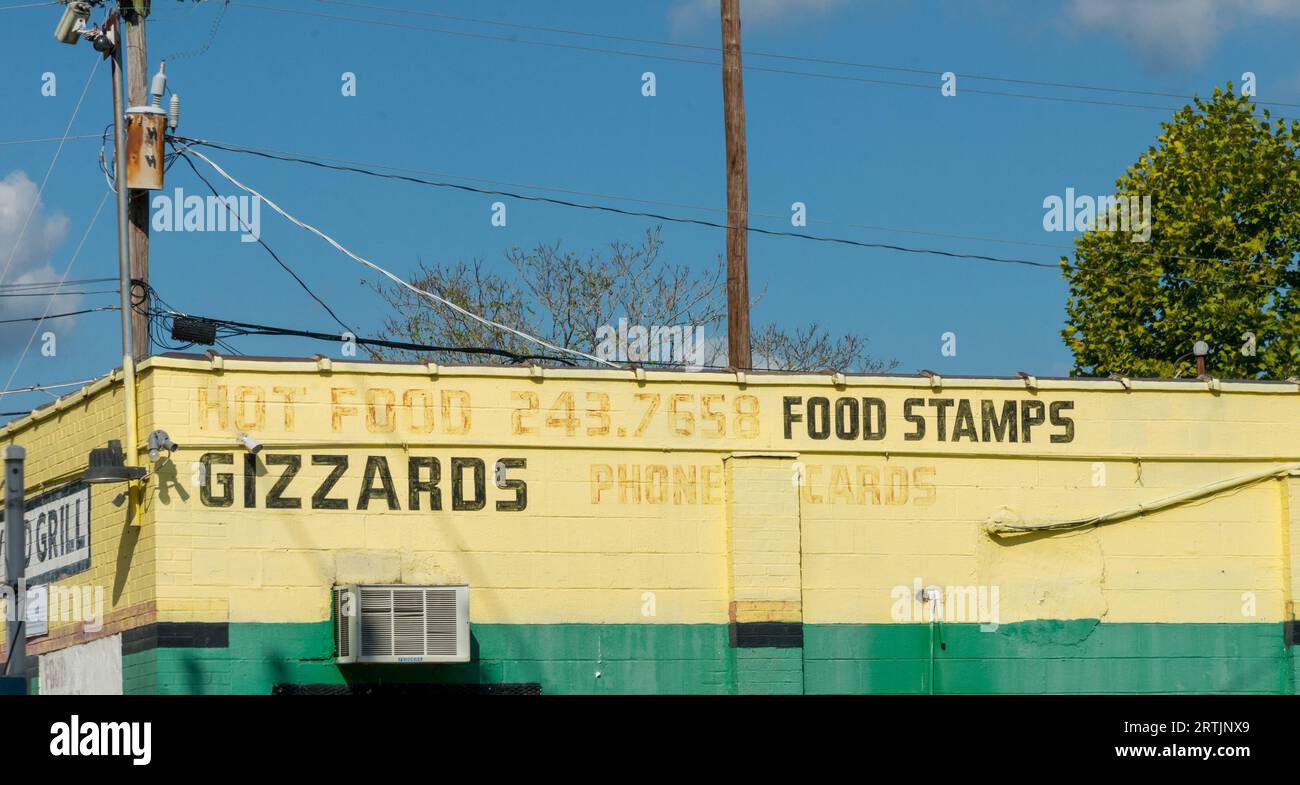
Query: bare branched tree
{"points": [[814, 349], [567, 298]]}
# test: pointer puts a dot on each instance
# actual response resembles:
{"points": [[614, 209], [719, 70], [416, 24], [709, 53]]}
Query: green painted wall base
{"points": [[1033, 657]]}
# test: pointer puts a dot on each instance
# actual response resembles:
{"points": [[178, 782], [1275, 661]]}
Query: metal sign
{"points": [[57, 533], [38, 610]]}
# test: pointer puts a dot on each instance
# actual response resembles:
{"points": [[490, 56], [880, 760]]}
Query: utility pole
{"points": [[137, 94], [733, 109], [124, 266], [15, 669]]}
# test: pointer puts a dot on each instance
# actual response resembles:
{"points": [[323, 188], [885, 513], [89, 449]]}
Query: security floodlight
{"points": [[159, 440], [108, 464], [250, 444], [74, 19]]}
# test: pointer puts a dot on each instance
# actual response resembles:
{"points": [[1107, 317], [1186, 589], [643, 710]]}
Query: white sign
{"points": [[93, 668], [58, 534], [38, 610]]}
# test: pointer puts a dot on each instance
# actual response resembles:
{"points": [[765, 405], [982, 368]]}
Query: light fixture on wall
{"points": [[108, 464], [158, 441]]}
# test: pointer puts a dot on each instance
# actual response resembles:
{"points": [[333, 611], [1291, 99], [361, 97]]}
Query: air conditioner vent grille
{"points": [[440, 611], [402, 624]]}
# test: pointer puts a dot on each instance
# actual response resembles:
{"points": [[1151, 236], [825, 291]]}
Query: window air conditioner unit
{"points": [[401, 624]]}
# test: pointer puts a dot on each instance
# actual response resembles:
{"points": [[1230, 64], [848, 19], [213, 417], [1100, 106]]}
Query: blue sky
{"points": [[857, 154]]}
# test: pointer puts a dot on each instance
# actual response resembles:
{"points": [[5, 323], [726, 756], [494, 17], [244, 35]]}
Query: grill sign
{"points": [[58, 534]]}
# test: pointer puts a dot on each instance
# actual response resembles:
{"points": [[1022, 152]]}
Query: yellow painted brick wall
{"points": [[610, 532], [632, 498], [764, 569], [122, 571]]}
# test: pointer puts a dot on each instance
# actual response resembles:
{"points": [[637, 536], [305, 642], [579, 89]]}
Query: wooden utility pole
{"points": [[733, 108], [137, 94], [116, 22]]}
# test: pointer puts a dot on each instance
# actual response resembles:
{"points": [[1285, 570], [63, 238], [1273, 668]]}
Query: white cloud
{"points": [[27, 254], [689, 13], [1174, 32]]}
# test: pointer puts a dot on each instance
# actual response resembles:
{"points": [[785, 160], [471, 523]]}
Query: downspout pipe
{"points": [[124, 285]]}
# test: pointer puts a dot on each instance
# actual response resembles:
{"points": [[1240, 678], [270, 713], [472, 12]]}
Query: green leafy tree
{"points": [[1220, 264]]}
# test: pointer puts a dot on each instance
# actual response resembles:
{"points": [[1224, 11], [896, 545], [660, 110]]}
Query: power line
{"points": [[53, 284], [59, 315], [212, 34], [700, 222], [50, 169], [293, 157], [632, 213], [51, 139], [28, 5], [44, 387], [273, 254], [395, 279], [775, 55], [66, 272], [245, 328], [690, 61], [58, 293]]}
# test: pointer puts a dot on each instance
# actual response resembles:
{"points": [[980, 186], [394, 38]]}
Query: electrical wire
{"points": [[158, 326], [36, 201], [366, 167], [28, 5], [54, 284], [1058, 266], [58, 293], [60, 315], [395, 279], [109, 178], [46, 387], [632, 213], [66, 272], [72, 138], [266, 247], [234, 328], [212, 34], [710, 63], [773, 55]]}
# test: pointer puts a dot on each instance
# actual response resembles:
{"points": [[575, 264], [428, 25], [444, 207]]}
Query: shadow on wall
{"points": [[474, 672], [125, 552], [210, 671]]}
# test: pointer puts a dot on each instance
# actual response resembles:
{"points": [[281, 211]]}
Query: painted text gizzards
{"points": [[326, 477]]}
